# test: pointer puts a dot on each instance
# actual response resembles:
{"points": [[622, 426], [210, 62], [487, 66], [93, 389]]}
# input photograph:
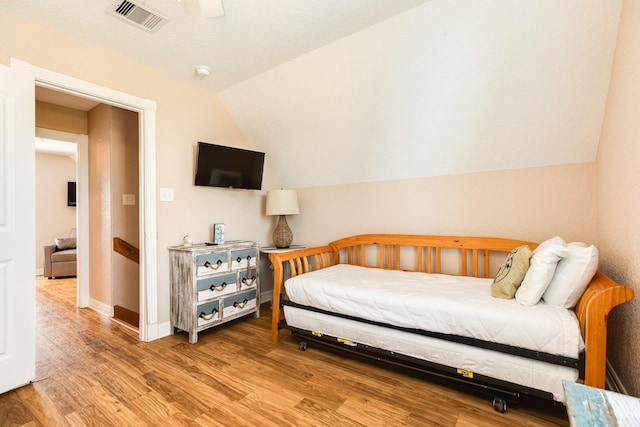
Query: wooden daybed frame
{"points": [[473, 256]]}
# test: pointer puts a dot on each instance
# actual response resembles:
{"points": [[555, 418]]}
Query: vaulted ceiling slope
{"points": [[448, 87], [253, 35]]}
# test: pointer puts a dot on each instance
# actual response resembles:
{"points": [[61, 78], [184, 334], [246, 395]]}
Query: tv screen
{"points": [[220, 166], [71, 193]]}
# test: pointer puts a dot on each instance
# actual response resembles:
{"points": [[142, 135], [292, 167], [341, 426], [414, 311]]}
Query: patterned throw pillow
{"points": [[511, 273]]}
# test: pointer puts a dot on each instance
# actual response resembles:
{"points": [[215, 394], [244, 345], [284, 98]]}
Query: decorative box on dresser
{"points": [[213, 284]]}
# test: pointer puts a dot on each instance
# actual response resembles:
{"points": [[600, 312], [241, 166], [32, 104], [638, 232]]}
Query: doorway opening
{"points": [[61, 145], [145, 110]]}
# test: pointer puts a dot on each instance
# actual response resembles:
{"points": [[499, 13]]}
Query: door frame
{"points": [[146, 109]]}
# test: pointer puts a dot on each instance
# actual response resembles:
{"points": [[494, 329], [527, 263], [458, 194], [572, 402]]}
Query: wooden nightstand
{"points": [[266, 268]]}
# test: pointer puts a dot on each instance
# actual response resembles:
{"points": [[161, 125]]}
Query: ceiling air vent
{"points": [[138, 15]]}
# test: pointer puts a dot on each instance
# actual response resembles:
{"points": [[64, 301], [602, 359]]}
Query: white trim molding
{"points": [[146, 110], [100, 307], [266, 296]]}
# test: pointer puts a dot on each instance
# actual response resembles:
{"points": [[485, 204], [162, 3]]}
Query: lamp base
{"points": [[282, 235]]}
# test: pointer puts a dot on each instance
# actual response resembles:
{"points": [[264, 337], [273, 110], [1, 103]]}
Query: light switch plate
{"points": [[129, 199], [166, 194]]}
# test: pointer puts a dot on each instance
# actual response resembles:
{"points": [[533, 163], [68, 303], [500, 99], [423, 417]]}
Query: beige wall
{"points": [[124, 218], [528, 204], [619, 196], [50, 116], [113, 172], [100, 208], [53, 217]]}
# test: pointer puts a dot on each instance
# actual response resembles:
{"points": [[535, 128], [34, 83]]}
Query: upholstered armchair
{"points": [[60, 259]]}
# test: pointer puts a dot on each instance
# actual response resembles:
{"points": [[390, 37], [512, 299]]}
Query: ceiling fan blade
{"points": [[211, 8]]}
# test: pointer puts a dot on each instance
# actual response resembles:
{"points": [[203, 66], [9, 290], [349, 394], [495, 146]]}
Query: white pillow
{"points": [[554, 241], [543, 264], [572, 275]]}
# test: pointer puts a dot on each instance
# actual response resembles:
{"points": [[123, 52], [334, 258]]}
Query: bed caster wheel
{"points": [[302, 345], [500, 405]]}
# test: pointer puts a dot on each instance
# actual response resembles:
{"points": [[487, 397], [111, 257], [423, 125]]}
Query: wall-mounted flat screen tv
{"points": [[228, 167], [71, 193]]}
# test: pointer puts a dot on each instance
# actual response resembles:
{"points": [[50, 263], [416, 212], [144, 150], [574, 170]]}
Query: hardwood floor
{"points": [[92, 371]]}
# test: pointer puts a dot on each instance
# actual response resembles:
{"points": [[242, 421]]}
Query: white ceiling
{"points": [[252, 37]]}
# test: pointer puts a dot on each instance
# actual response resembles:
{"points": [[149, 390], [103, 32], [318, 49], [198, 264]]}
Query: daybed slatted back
{"points": [[311, 261], [299, 262], [465, 256]]}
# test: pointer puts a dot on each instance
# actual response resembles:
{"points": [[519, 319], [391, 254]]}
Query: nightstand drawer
{"points": [[208, 313], [216, 286], [243, 258], [239, 303], [212, 263]]}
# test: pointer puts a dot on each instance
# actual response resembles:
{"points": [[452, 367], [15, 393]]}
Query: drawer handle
{"points": [[247, 282], [239, 259], [205, 316], [219, 287], [211, 266], [239, 304]]}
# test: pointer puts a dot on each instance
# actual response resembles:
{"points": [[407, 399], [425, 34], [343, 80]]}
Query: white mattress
{"points": [[456, 305], [518, 370]]}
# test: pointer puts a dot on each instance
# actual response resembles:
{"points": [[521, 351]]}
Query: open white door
{"points": [[17, 231]]}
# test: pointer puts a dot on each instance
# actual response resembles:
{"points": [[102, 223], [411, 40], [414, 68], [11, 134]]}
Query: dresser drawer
{"points": [[212, 263], [212, 287], [208, 313], [239, 303], [248, 279], [243, 258]]}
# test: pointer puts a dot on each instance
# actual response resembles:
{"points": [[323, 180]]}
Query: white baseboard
{"points": [[266, 296], [164, 330], [159, 330], [100, 307], [39, 271], [612, 381]]}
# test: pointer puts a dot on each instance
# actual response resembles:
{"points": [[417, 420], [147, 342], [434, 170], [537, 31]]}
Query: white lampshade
{"points": [[282, 202]]}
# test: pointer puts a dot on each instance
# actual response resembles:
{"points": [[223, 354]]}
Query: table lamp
{"points": [[282, 202]]}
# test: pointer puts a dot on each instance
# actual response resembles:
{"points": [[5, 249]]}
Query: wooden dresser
{"points": [[213, 284]]}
